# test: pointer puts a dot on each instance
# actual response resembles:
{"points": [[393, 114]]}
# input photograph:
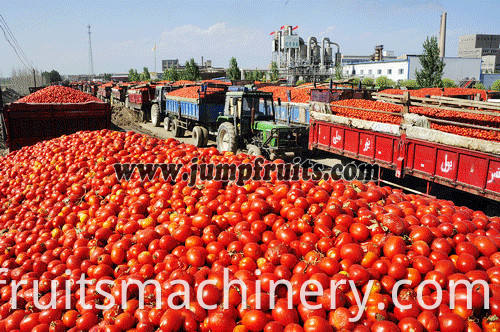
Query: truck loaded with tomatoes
{"points": [[66, 216]]}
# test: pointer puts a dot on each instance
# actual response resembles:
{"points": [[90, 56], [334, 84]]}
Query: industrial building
{"points": [[297, 59], [457, 69], [484, 47]]}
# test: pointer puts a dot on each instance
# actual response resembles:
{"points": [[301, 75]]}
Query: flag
{"points": [[272, 33], [296, 27]]}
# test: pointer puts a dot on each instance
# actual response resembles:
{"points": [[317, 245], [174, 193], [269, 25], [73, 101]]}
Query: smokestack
{"points": [[442, 35]]}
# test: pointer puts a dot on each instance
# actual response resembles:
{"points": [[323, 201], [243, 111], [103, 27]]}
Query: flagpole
{"points": [[155, 57]]}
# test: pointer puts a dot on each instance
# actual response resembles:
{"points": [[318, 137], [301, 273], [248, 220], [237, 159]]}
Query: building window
{"points": [[379, 71], [389, 71], [369, 71], [361, 72], [401, 71]]}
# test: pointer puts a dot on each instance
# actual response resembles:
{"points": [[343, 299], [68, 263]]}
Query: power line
{"points": [[12, 41], [16, 43]]}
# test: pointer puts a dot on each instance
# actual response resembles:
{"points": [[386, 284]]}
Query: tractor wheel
{"points": [[253, 150], [205, 136], [176, 128], [197, 135], [167, 124], [226, 138], [155, 115]]}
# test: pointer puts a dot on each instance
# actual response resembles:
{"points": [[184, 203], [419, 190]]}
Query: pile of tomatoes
{"points": [[58, 94], [194, 92], [447, 92], [297, 94], [368, 115], [63, 212]]}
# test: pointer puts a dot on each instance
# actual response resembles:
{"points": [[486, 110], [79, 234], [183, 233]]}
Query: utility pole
{"points": [[34, 77], [154, 49], [91, 60]]}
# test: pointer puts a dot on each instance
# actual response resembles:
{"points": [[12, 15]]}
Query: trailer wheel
{"points": [[167, 124], [176, 128], [226, 138], [253, 150], [205, 136], [155, 115], [197, 135]]}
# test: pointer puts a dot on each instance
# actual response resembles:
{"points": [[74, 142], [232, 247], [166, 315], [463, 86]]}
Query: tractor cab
{"points": [[249, 120]]}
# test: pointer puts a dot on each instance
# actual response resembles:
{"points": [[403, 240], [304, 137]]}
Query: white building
{"points": [[455, 68]]}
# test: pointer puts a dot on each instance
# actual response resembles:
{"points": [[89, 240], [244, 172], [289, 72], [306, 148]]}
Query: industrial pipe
{"points": [[309, 48]]}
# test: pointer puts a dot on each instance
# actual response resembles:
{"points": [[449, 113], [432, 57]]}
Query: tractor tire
{"points": [[167, 124], [178, 131], [205, 136], [253, 150], [226, 138], [155, 115], [197, 135]]}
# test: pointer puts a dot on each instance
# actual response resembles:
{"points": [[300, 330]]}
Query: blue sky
{"points": [[53, 33]]}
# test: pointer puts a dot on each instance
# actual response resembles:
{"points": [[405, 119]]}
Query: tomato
{"points": [[316, 323], [254, 320], [451, 322]]}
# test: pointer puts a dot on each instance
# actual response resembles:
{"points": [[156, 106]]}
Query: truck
{"points": [[240, 117], [139, 99], [196, 109], [249, 120], [104, 91], [118, 94], [158, 103], [411, 149]]}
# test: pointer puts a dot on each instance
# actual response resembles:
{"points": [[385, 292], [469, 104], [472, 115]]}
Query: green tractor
{"points": [[249, 121]]}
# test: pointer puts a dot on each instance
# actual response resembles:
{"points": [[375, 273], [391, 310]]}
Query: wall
{"points": [[488, 79], [398, 70], [456, 69]]}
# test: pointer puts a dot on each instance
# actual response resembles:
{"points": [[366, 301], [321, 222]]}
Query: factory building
{"points": [[457, 69], [484, 47]]}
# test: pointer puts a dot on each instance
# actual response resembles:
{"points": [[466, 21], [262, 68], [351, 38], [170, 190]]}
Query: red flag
{"points": [[272, 33], [296, 27], [282, 27]]}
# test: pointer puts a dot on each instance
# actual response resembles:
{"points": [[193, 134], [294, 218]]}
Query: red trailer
{"points": [[28, 123], [139, 99], [407, 153]]}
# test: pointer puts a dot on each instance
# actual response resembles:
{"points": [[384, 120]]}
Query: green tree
{"points": [[133, 75], [233, 72], [384, 82], [355, 80], [409, 84], [448, 83], [432, 66], [145, 75], [106, 76], [171, 74], [51, 76], [496, 85], [368, 81], [275, 73], [191, 71], [479, 85]]}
